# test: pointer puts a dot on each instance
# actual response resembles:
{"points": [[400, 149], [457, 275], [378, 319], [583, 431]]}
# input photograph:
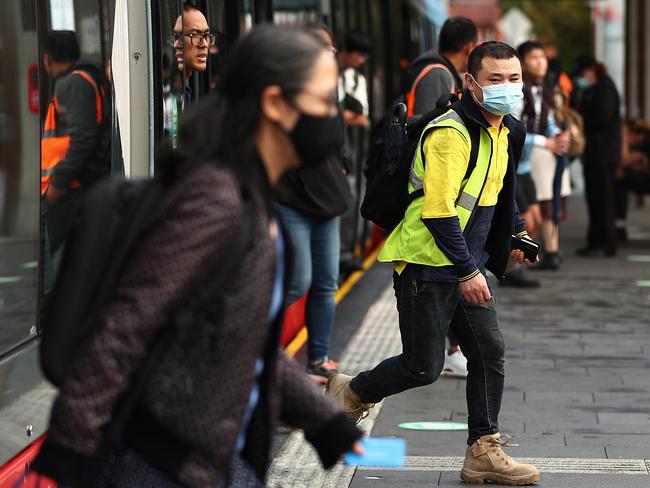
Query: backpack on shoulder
{"points": [[389, 165], [114, 216]]}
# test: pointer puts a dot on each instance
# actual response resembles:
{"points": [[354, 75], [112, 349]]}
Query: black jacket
{"points": [[88, 157], [319, 191], [507, 219], [600, 108]]}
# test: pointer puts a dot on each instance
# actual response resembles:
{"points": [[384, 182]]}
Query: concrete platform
{"points": [[577, 378]]}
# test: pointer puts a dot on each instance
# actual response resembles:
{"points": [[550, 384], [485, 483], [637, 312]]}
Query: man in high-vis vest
{"points": [[461, 226], [431, 76], [75, 143], [434, 74]]}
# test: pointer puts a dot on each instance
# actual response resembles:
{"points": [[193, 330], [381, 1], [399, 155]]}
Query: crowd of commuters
{"points": [[269, 150]]}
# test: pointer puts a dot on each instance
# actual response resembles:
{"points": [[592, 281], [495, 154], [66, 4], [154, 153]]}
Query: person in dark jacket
{"points": [[75, 147], [434, 74], [310, 201], [207, 413], [599, 105]]}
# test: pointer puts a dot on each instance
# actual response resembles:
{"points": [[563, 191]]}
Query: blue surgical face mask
{"points": [[500, 99], [583, 83]]}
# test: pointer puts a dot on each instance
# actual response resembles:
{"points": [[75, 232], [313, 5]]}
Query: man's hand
{"points": [[518, 255], [53, 194], [476, 290]]}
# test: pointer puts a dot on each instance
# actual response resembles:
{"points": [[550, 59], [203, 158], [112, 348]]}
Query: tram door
{"points": [[49, 49], [76, 99], [19, 173]]}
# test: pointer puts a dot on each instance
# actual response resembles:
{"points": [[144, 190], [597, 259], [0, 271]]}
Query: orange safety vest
{"points": [[55, 144], [410, 96]]}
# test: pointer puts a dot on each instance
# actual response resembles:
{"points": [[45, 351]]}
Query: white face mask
{"points": [[500, 99]]}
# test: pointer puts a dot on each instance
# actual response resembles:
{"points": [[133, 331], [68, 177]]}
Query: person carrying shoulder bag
{"points": [[206, 414]]}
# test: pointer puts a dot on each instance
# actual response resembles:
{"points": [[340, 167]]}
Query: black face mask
{"points": [[316, 138]]}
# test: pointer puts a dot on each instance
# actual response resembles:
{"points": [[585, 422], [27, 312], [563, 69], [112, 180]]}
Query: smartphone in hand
{"points": [[527, 245]]}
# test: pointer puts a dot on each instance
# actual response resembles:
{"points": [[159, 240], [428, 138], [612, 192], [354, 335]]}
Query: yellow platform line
{"points": [[301, 337]]}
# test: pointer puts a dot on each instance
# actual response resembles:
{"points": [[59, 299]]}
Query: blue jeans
{"points": [[427, 309], [316, 249]]}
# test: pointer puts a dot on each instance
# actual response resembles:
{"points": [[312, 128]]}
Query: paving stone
{"points": [[449, 480]]}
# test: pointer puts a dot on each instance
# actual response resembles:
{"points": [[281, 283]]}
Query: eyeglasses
{"points": [[196, 38]]}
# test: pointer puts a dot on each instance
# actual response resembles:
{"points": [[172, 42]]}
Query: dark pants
{"points": [[60, 217], [427, 309], [601, 203]]}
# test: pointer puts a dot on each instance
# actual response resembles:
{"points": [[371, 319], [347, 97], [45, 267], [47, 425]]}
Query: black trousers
{"points": [[427, 310], [601, 204], [61, 217]]}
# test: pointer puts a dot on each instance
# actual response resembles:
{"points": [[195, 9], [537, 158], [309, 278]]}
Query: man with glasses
{"points": [[191, 40]]}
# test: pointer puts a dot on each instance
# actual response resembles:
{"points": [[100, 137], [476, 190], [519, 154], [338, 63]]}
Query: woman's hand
{"points": [[356, 448]]}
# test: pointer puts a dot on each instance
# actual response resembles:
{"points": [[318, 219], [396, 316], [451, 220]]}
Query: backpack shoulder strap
{"points": [[410, 96], [98, 95]]}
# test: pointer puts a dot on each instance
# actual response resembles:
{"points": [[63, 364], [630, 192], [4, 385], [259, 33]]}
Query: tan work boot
{"points": [[486, 461], [339, 387]]}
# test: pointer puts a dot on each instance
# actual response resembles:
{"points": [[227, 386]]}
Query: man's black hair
{"points": [[585, 61], [492, 49], [456, 33], [356, 41], [526, 47], [62, 45]]}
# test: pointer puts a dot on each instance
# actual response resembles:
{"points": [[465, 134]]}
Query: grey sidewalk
{"points": [[577, 376], [577, 383]]}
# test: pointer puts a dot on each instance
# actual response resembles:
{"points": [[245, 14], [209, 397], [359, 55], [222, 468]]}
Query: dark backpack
{"points": [[114, 216], [389, 165]]}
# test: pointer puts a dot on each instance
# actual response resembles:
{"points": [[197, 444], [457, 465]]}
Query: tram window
{"points": [[378, 65], [171, 75], [288, 12], [77, 144], [216, 14], [246, 15], [19, 195], [190, 57]]}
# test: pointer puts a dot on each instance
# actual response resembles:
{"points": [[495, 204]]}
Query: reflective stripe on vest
{"points": [[54, 144], [411, 241], [410, 96]]}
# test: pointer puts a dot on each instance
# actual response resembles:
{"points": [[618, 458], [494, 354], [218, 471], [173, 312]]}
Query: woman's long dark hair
{"points": [[222, 127]]}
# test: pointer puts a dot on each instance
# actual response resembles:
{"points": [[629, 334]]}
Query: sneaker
{"points": [[322, 370], [486, 461], [339, 387], [455, 365]]}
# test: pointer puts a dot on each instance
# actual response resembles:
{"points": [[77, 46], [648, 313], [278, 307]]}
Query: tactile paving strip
{"points": [[297, 465], [545, 465]]}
